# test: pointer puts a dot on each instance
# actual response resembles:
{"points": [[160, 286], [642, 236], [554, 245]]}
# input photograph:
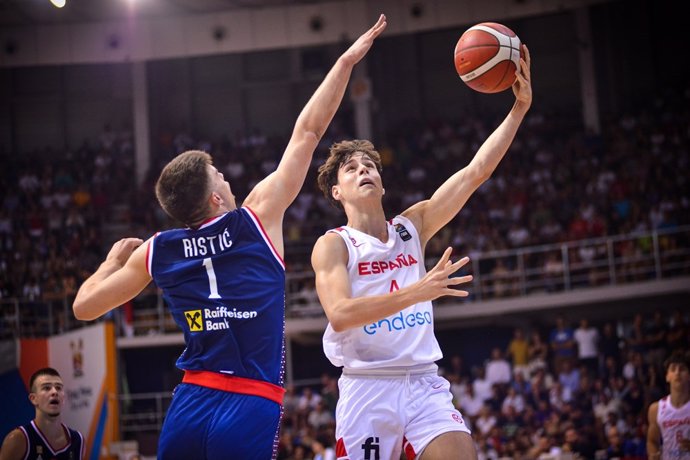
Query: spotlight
{"points": [[58, 3]]}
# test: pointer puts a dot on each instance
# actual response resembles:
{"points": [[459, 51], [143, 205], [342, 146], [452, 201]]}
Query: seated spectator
{"points": [[614, 450], [635, 339], [569, 377], [307, 401], [504, 282], [574, 444], [587, 339], [655, 339], [498, 368], [678, 333], [521, 384], [562, 343], [518, 352], [559, 396], [320, 417], [481, 385], [486, 420], [470, 404], [513, 400], [537, 351]]}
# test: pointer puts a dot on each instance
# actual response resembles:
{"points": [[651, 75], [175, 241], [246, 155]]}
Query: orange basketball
{"points": [[486, 57]]}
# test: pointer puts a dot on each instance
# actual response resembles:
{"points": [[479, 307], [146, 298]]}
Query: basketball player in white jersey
{"points": [[668, 436], [372, 283]]}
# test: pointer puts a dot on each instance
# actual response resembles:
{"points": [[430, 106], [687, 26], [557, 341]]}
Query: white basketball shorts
{"points": [[380, 416]]}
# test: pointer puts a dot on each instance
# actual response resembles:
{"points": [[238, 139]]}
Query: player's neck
{"points": [[50, 426], [680, 398], [371, 221]]}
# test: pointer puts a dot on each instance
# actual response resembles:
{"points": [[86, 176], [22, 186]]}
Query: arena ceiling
{"points": [[42, 12]]}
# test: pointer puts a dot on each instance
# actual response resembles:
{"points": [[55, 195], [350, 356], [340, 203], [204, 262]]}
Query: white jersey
{"points": [[404, 339], [674, 423]]}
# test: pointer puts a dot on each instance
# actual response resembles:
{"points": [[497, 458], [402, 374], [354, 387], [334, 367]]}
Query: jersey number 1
{"points": [[212, 283]]}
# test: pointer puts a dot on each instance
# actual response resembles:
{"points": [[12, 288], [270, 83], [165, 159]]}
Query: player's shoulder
{"points": [[654, 407], [74, 431], [329, 246], [15, 443], [18, 432], [330, 240]]}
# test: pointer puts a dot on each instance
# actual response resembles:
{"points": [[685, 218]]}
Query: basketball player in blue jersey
{"points": [[374, 288], [223, 279], [45, 437]]}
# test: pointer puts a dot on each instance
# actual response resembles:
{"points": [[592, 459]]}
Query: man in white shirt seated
{"points": [[498, 368]]}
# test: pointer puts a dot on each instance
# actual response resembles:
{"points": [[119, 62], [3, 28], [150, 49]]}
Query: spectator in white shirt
{"points": [[587, 338], [486, 420], [320, 418], [470, 403], [481, 385], [513, 399], [498, 368]]}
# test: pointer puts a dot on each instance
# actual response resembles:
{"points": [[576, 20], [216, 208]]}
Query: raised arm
{"points": [[271, 197], [431, 215], [329, 260], [121, 277]]}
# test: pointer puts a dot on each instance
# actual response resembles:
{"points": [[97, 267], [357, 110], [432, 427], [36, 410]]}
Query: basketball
{"points": [[486, 57]]}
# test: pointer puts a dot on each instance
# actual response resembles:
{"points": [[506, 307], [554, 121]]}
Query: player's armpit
{"points": [[329, 261]]}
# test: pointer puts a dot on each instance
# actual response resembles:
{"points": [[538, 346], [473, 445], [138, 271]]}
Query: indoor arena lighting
{"points": [[58, 3]]}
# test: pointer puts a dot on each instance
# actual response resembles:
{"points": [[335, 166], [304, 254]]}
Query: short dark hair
{"points": [[184, 186], [339, 154], [44, 371], [678, 357]]}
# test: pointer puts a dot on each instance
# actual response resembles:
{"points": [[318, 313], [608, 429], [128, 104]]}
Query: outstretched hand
{"points": [[360, 47], [437, 282], [122, 250], [522, 88]]}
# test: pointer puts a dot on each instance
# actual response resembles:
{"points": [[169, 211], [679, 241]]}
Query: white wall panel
{"points": [[55, 46], [357, 18], [95, 43], [238, 33], [426, 20], [269, 28], [167, 38], [299, 24], [24, 40], [255, 29], [451, 13]]}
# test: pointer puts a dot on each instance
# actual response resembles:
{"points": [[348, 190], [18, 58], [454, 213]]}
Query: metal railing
{"points": [[611, 260], [143, 411]]}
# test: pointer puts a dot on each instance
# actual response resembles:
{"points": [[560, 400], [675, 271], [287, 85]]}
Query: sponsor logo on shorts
{"points": [[457, 418], [371, 449]]}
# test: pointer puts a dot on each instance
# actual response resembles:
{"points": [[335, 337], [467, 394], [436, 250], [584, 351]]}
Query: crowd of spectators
{"points": [[569, 392], [558, 183], [52, 215], [584, 390]]}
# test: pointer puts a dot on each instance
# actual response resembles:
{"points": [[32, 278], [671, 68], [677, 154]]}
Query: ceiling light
{"points": [[58, 3]]}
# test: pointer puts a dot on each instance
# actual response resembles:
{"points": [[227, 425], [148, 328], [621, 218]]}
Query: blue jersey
{"points": [[38, 446], [224, 284]]}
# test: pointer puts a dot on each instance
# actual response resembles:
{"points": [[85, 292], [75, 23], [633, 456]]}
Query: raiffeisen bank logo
{"points": [[215, 319], [399, 322]]}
